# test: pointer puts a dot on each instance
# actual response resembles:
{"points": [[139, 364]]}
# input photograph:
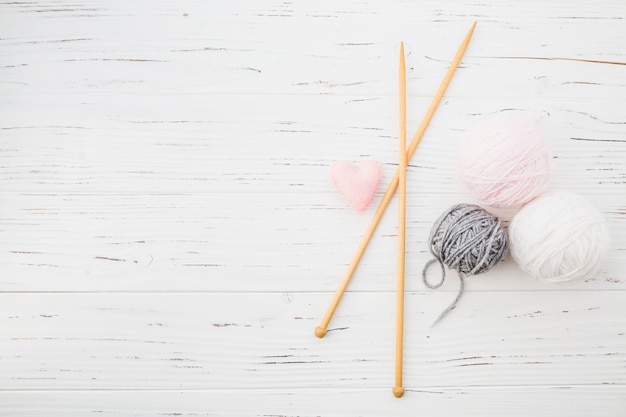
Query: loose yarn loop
{"points": [[505, 161], [468, 239], [559, 236], [440, 283]]}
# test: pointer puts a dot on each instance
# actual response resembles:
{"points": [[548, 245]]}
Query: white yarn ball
{"points": [[558, 237]]}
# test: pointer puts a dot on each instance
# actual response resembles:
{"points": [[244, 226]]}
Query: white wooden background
{"points": [[170, 236]]}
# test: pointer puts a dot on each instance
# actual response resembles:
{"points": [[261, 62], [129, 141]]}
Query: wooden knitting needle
{"points": [[398, 389], [320, 331]]}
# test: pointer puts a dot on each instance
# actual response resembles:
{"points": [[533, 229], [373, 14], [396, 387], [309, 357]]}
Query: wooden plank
{"points": [[237, 242], [233, 341], [242, 47], [577, 401], [144, 146]]}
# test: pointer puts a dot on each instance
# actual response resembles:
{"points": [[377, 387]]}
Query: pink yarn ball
{"points": [[505, 162]]}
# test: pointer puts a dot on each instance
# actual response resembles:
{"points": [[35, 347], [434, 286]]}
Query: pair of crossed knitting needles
{"points": [[398, 181]]}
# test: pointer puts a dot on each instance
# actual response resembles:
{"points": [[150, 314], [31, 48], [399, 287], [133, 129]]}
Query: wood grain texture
{"points": [[600, 401], [211, 341], [170, 235], [186, 242]]}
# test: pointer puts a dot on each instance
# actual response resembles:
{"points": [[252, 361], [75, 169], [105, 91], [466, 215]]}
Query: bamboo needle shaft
{"points": [[320, 331], [398, 389]]}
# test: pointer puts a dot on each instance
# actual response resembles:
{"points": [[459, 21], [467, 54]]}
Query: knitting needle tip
{"points": [[471, 31]]}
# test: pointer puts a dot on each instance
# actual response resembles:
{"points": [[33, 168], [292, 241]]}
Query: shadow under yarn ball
{"points": [[468, 239]]}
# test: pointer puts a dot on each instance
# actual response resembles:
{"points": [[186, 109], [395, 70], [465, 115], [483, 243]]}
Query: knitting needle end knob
{"points": [[398, 391], [320, 332]]}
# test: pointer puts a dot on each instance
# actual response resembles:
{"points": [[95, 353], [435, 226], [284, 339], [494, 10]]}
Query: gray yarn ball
{"points": [[468, 239]]}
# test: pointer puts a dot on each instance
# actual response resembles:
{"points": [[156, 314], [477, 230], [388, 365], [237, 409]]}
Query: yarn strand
{"points": [[439, 284], [452, 306]]}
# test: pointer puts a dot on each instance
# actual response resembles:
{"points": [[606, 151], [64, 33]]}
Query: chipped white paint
{"points": [[170, 237]]}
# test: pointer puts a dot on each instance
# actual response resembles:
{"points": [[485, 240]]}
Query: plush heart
{"points": [[358, 185]]}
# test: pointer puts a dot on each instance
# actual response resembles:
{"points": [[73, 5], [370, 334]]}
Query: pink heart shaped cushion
{"points": [[358, 185]]}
